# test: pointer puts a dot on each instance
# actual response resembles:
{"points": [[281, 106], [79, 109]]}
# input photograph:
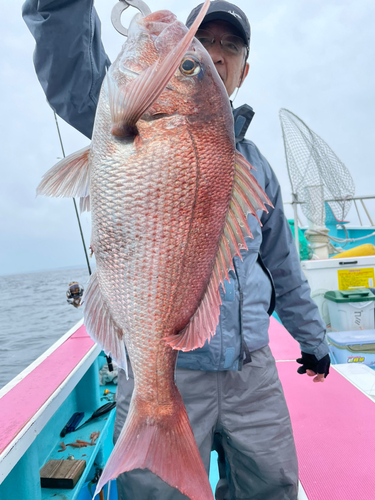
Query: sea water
{"points": [[34, 314]]}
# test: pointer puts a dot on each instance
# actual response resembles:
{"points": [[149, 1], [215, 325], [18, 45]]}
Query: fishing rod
{"points": [[74, 201]]}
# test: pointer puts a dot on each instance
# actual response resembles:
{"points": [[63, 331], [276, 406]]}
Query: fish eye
{"points": [[190, 66]]}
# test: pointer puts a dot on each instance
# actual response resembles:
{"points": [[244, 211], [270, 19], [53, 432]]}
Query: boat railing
{"points": [[347, 239], [295, 202]]}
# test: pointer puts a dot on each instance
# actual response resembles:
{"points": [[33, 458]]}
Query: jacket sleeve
{"points": [[294, 306], [69, 57]]}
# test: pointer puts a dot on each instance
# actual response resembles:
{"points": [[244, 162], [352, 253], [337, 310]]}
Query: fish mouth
{"points": [[150, 117], [127, 71], [147, 117]]}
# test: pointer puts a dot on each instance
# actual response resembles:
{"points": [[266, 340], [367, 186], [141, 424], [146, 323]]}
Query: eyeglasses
{"points": [[231, 44]]}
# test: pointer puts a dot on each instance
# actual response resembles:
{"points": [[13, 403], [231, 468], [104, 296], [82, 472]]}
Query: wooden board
{"points": [[61, 473]]}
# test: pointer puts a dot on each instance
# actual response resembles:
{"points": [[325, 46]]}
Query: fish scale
{"points": [[139, 273]]}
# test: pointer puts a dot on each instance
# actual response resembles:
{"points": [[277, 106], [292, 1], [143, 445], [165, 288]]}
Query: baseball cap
{"points": [[224, 11]]}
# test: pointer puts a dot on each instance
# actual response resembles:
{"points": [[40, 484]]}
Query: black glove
{"points": [[309, 362]]}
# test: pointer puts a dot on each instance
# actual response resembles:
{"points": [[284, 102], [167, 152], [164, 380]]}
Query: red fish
{"points": [[169, 197]]}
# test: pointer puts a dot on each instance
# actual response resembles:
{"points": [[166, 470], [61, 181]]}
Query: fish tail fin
{"points": [[164, 444]]}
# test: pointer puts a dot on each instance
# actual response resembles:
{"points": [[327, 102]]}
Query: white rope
{"points": [[342, 240]]}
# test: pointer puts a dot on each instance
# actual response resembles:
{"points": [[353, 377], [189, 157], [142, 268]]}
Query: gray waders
{"points": [[240, 414]]}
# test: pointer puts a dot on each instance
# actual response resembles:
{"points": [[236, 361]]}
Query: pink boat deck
{"points": [[19, 405], [333, 425], [333, 422]]}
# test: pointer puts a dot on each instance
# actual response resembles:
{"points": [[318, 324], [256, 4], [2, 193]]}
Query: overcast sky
{"points": [[313, 57]]}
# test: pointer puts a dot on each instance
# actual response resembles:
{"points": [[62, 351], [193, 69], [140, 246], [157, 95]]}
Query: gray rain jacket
{"points": [[70, 62]]}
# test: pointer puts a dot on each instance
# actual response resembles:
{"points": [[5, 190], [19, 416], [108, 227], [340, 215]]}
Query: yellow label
{"points": [[353, 359], [350, 279]]}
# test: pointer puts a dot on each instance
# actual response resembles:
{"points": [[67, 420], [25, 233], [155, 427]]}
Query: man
{"points": [[230, 386]]}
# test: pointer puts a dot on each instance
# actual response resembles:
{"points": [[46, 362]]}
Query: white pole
{"points": [[296, 235]]}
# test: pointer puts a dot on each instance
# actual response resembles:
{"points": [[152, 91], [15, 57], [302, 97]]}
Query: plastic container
{"points": [[337, 274], [340, 274], [352, 347], [351, 309]]}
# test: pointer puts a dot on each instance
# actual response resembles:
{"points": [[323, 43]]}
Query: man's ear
{"points": [[244, 74]]}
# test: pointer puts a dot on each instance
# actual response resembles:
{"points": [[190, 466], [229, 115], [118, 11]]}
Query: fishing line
{"points": [[74, 201]]}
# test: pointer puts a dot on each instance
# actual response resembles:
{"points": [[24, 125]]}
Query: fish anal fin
{"points": [[100, 325], [247, 197], [162, 443], [70, 178]]}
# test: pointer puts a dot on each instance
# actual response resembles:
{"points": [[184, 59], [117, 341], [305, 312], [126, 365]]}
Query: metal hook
{"points": [[119, 8]]}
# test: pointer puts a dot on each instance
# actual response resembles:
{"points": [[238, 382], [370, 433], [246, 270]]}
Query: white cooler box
{"points": [[337, 274], [352, 347]]}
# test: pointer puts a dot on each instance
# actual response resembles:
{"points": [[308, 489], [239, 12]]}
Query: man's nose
{"points": [[215, 52]]}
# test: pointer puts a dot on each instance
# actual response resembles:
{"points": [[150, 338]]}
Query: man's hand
{"points": [[314, 368]]}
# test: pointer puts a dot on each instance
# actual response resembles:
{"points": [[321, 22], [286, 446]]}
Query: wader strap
{"points": [[273, 293], [245, 353], [245, 356]]}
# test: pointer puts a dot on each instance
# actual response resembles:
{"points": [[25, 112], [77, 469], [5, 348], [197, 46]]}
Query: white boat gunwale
{"points": [[31, 429]]}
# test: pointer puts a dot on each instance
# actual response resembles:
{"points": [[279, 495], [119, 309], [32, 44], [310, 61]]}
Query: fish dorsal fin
{"points": [[100, 325], [247, 197], [70, 178]]}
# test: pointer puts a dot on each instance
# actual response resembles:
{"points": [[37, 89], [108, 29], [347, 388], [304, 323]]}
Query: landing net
{"points": [[316, 174]]}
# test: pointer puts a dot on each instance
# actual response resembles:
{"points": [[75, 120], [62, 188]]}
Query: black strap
{"points": [[273, 293], [245, 355]]}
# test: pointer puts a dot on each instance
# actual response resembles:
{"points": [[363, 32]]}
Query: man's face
{"points": [[229, 66]]}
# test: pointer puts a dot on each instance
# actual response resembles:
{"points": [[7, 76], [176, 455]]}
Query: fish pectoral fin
{"points": [[70, 178], [203, 323], [162, 442], [100, 325], [247, 197], [84, 204]]}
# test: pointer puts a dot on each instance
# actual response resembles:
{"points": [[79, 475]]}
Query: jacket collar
{"points": [[242, 119]]}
